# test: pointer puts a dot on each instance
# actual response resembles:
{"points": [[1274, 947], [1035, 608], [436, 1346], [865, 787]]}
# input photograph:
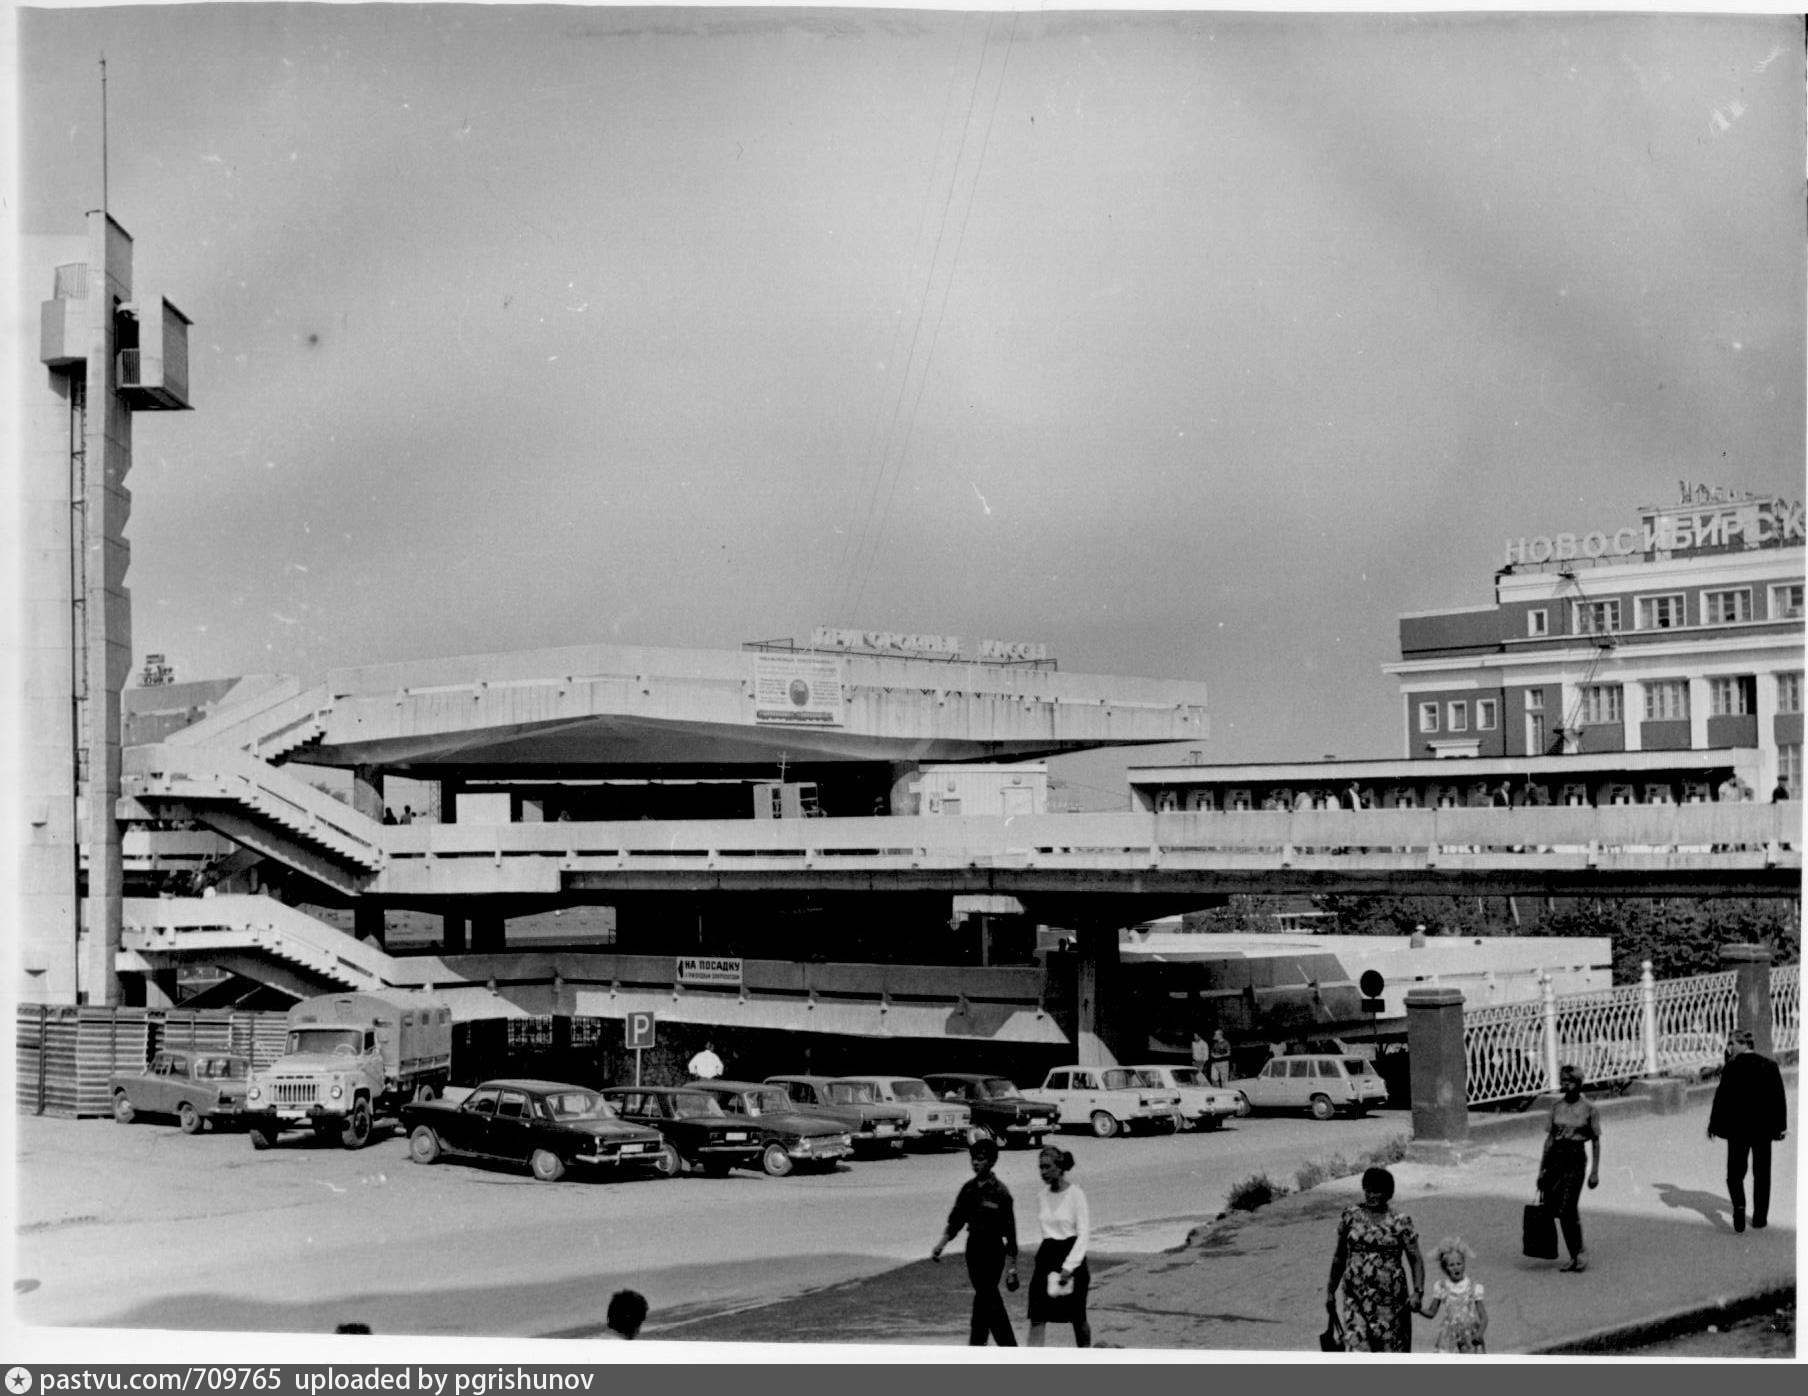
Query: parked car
{"points": [[873, 1125], [1202, 1105], [932, 1120], [547, 1125], [1322, 1085], [789, 1138], [1694, 1056], [1107, 1099], [1000, 1111], [195, 1087], [694, 1123]]}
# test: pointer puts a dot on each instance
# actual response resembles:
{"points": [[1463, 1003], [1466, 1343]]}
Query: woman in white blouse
{"points": [[1058, 1287]]}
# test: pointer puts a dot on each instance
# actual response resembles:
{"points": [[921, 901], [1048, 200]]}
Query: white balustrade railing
{"points": [[1785, 1009], [1678, 1028]]}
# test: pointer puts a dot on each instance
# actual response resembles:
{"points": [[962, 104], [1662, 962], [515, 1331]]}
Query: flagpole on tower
{"points": [[103, 134]]}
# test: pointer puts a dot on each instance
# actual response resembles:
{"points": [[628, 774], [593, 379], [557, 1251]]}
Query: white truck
{"points": [[349, 1060]]}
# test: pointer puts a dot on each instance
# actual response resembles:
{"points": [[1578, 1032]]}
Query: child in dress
{"points": [[1459, 1296]]}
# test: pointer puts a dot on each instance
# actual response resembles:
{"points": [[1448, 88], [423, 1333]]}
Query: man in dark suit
{"points": [[1750, 1113]]}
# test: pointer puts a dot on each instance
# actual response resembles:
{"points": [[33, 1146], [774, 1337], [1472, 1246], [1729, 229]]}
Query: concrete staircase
{"points": [[209, 777], [249, 929]]}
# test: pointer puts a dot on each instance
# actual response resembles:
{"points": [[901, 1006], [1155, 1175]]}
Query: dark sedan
{"points": [[998, 1107], [694, 1123], [870, 1123], [547, 1125], [789, 1139]]}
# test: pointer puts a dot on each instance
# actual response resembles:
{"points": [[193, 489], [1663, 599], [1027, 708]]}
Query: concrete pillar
{"points": [[453, 939], [448, 801], [1632, 694], [904, 774], [487, 935], [368, 922], [1752, 964], [1096, 984], [1440, 1068], [1698, 716], [367, 791]]}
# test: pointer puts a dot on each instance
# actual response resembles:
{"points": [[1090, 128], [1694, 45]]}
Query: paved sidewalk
{"points": [[1658, 1229]]}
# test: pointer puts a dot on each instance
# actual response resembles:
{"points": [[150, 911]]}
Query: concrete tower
{"points": [[103, 355]]}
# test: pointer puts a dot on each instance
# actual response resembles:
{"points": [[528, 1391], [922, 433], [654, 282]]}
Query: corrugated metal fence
{"points": [[66, 1054]]}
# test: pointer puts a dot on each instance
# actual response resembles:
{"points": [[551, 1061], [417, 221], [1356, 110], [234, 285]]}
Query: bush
{"points": [[1383, 1154], [1257, 1190], [1310, 1175]]}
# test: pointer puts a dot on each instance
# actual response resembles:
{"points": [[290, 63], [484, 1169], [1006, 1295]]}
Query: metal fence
{"points": [[1676, 1028], [1786, 1009]]}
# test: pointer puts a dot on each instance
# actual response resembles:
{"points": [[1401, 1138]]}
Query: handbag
{"points": [[1538, 1232], [1331, 1340], [1059, 1286]]}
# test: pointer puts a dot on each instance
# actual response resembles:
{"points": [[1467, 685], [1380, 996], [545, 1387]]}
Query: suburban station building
{"points": [[846, 838]]}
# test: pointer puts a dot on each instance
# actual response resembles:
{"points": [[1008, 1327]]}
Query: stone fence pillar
{"points": [[1752, 964], [1440, 1068]]}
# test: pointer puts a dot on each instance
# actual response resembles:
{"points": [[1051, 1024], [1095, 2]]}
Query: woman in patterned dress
{"points": [[1379, 1269]]}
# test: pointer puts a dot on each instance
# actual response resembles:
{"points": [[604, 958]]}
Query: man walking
{"points": [[984, 1207], [1751, 1114]]}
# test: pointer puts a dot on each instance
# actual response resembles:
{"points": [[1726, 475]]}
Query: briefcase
{"points": [[1539, 1233]]}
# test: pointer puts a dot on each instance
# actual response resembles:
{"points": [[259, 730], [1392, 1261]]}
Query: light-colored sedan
{"points": [[195, 1087], [1322, 1085], [932, 1119], [1107, 1099], [1202, 1105]]}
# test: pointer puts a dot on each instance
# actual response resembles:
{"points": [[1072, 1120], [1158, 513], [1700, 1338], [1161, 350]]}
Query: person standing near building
{"points": [[1751, 1113], [706, 1065], [1220, 1058], [984, 1207], [1202, 1052], [1575, 1130]]}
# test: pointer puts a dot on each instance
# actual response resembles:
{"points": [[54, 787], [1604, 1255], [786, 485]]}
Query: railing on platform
{"points": [[1677, 1028]]}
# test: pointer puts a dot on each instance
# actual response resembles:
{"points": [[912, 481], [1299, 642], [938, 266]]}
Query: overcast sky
{"points": [[1193, 345]]}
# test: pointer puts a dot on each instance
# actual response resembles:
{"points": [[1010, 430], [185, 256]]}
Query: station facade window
{"points": [[1595, 617], [1731, 695], [1459, 717], [1786, 602], [1789, 768], [1789, 693], [1487, 714], [1660, 612], [1538, 622], [1726, 607], [1666, 700], [1602, 705], [1428, 717]]}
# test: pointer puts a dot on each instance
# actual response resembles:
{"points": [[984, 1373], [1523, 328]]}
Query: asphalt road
{"points": [[140, 1226]]}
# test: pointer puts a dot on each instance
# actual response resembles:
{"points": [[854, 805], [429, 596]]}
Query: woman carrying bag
{"points": [[1574, 1134], [1061, 1279]]}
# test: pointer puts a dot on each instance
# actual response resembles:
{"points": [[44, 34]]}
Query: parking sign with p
{"points": [[640, 1031]]}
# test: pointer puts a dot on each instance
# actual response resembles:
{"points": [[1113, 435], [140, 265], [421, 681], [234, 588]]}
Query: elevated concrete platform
{"points": [[622, 707]]}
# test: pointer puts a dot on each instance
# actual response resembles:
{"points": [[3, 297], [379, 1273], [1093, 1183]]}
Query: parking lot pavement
{"points": [[141, 1226]]}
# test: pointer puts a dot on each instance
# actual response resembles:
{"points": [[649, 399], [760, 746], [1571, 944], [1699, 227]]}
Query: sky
{"points": [[1193, 345]]}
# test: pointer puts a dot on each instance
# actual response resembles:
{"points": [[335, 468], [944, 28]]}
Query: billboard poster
{"points": [[800, 690]]}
